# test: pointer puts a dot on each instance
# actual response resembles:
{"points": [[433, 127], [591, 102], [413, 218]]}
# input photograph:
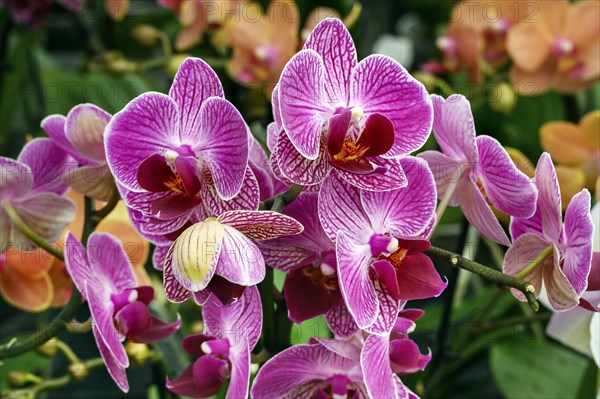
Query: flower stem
{"points": [[266, 296], [32, 235], [489, 274], [536, 262], [278, 202], [108, 208]]}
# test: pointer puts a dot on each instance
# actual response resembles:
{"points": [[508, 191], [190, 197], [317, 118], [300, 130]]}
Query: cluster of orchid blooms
{"points": [[352, 243]]}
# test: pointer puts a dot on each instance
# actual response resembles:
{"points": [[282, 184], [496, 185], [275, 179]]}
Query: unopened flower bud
{"points": [[144, 34], [121, 66], [78, 370], [17, 378], [502, 98], [49, 348], [138, 353], [174, 63], [428, 80]]}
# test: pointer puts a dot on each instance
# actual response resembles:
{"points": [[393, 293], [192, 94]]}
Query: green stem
{"points": [[66, 379], [68, 352], [536, 262], [278, 202], [108, 208], [29, 233], [266, 296], [489, 274]]}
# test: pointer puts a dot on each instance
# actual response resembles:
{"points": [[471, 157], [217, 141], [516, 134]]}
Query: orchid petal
{"points": [[561, 294], [247, 198], [148, 125], [295, 167], [340, 321], [174, 291], [84, 129], [222, 144], [418, 278], [194, 82], [48, 163], [480, 215], [380, 85], [392, 178], [16, 179], [95, 181], [549, 201], [261, 225], [340, 209], [240, 260], [116, 370], [578, 231], [332, 41], [355, 282], [240, 373], [374, 357], [110, 263], [447, 172], [523, 252], [509, 189], [302, 101], [407, 211]]}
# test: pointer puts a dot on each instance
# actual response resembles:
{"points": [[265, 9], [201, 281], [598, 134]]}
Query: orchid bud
{"points": [[17, 378], [138, 353], [145, 34], [174, 63], [78, 370], [49, 348], [503, 99]]}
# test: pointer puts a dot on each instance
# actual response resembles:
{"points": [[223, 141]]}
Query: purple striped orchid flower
{"points": [[81, 135], [476, 172], [218, 256], [333, 113], [384, 357], [171, 153], [31, 187], [311, 287], [119, 308], [378, 245], [223, 350], [323, 368], [545, 249]]}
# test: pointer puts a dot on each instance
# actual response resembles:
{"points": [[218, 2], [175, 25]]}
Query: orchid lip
{"points": [[216, 347]]}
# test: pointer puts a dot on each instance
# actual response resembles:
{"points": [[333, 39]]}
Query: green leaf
{"points": [[316, 327], [29, 362], [541, 370]]}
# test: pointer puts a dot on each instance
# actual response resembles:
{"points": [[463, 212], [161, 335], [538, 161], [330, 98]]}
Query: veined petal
{"points": [[174, 291], [240, 373], [296, 371], [391, 179], [447, 173], [247, 198], [303, 298], [196, 253], [148, 125], [16, 179], [561, 294], [480, 215], [47, 214], [380, 85], [102, 314], [261, 225], [84, 129], [355, 282], [295, 167], [340, 321], [194, 82], [407, 211], [509, 189], [332, 41], [48, 163], [578, 230], [116, 370], [222, 144], [240, 260], [54, 126], [159, 256], [77, 263], [340, 208], [276, 114], [523, 251], [375, 358], [92, 180], [519, 227], [302, 102], [389, 306], [240, 322], [110, 263], [549, 201]]}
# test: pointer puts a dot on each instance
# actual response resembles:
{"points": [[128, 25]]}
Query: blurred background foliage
{"points": [[492, 346]]}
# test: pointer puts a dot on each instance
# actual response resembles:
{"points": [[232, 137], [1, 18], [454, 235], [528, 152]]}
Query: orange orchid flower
{"points": [[476, 35], [262, 46], [197, 16], [575, 146], [559, 49], [35, 280], [116, 9]]}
